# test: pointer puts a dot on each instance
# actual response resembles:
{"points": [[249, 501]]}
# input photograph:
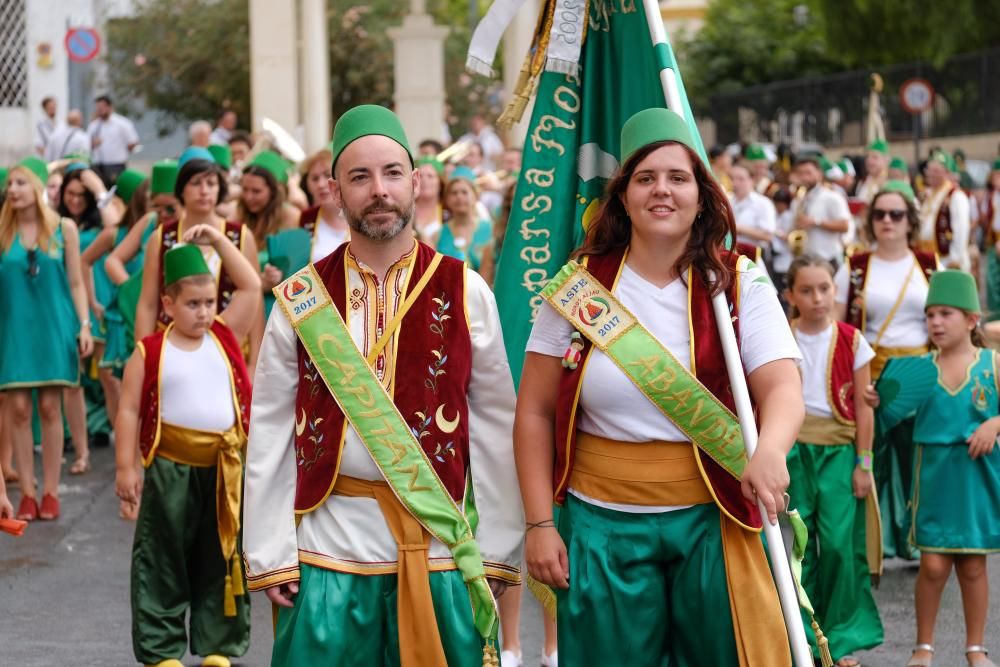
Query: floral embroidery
{"points": [[317, 439], [312, 377], [857, 278], [434, 371], [440, 316], [445, 449]]}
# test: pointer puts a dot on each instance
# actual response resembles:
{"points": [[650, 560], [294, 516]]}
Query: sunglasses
{"points": [[896, 214], [33, 268]]}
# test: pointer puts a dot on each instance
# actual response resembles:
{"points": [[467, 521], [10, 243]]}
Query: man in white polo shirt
{"points": [[113, 137], [821, 213], [754, 213]]}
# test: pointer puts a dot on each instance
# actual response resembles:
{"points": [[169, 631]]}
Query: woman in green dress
{"points": [[46, 327], [465, 236]]}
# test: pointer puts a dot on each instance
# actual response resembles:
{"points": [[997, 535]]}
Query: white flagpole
{"points": [[734, 365]]}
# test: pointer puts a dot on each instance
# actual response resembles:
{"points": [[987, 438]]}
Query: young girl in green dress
{"points": [[46, 327], [956, 493]]}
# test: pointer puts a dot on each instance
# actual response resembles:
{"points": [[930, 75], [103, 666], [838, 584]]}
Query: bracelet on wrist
{"points": [[547, 523], [864, 460], [85, 323]]}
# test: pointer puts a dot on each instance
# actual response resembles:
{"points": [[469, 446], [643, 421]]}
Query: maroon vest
{"points": [[170, 236], [942, 226], [149, 407], [857, 276], [841, 373], [308, 218], [709, 367], [433, 368]]}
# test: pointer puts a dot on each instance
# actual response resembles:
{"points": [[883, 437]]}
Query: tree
{"points": [[190, 58]]}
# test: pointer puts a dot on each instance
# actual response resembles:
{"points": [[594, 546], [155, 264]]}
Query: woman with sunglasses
{"points": [[882, 293], [46, 328]]}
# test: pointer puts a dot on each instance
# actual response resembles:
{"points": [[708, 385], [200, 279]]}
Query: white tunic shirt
{"points": [[815, 350], [824, 205], [610, 404], [754, 211], [350, 534], [207, 404], [908, 327], [116, 134], [326, 240]]}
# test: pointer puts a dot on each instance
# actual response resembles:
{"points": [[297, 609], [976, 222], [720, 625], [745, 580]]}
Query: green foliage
{"points": [[190, 58], [185, 58]]}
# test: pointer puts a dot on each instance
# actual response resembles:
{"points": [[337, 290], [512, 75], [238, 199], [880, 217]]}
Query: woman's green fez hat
{"points": [[365, 120], [183, 261], [953, 288], [164, 177], [650, 126], [128, 182]]}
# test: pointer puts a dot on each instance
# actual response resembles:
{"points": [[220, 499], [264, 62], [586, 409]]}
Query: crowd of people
{"points": [[347, 299]]}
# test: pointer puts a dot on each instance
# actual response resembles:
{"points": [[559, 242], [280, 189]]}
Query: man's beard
{"points": [[359, 223]]}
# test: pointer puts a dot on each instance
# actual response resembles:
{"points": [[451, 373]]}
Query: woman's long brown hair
{"points": [[268, 221], [611, 228]]}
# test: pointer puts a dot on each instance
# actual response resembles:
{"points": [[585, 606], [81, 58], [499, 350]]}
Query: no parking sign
{"points": [[82, 44]]}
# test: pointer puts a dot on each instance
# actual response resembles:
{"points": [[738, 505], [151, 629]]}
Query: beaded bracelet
{"points": [[864, 459]]}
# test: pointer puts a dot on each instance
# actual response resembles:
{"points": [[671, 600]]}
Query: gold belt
{"points": [[884, 354], [637, 473], [223, 449], [419, 639], [825, 431]]}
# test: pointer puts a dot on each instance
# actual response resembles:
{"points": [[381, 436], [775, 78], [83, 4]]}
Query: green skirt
{"points": [[956, 500]]}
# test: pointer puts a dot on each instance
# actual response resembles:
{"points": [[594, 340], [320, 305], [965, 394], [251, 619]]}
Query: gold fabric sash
{"points": [[419, 639], [660, 473], [825, 431], [637, 473], [204, 449], [884, 354]]}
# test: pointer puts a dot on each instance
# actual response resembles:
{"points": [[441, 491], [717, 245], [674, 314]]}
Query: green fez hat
{"points": [[463, 172], [650, 126], [755, 152], [194, 153], [3, 177], [36, 166], [128, 182], [846, 166], [901, 188], [879, 146], [223, 155], [996, 165], [363, 121], [944, 159], [164, 177], [273, 163], [953, 288], [898, 163], [74, 166], [432, 161], [183, 261]]}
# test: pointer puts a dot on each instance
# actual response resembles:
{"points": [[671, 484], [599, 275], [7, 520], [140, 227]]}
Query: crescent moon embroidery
{"points": [[443, 424], [300, 426]]}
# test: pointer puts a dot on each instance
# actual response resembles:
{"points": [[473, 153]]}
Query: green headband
{"points": [[953, 288], [183, 261], [273, 163], [128, 182], [164, 178], [363, 121], [651, 126], [36, 166]]}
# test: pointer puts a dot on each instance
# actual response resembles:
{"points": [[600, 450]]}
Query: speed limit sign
{"points": [[916, 95]]}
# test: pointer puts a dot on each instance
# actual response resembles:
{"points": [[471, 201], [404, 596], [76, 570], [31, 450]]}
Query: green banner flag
{"points": [[571, 150]]}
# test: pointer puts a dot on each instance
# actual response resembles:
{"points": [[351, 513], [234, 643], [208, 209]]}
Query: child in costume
{"points": [[953, 391], [830, 465], [186, 401]]}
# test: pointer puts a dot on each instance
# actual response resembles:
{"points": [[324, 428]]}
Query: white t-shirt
{"points": [[116, 134], [196, 390], [67, 140], [908, 327], [824, 205], [782, 257], [43, 132], [326, 240], [610, 404], [815, 350], [754, 211]]}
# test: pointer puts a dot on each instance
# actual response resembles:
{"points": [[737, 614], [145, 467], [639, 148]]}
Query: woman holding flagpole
{"points": [[625, 417]]}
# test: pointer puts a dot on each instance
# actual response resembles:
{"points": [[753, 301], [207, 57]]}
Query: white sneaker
{"points": [[551, 660], [510, 659]]}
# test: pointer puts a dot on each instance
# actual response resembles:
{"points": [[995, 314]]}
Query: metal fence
{"points": [[833, 110]]}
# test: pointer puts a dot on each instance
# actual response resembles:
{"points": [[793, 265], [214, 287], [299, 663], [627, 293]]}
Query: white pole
{"points": [[801, 652]]}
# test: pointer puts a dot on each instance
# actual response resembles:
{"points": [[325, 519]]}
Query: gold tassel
{"points": [[545, 596], [490, 657], [237, 577], [229, 607], [824, 645]]}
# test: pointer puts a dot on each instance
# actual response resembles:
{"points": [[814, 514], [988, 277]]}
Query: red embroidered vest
{"points": [[857, 278], [149, 407], [709, 367], [170, 236], [942, 226], [432, 373], [308, 218], [840, 371]]}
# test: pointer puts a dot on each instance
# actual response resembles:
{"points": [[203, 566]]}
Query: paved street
{"points": [[64, 593]]}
